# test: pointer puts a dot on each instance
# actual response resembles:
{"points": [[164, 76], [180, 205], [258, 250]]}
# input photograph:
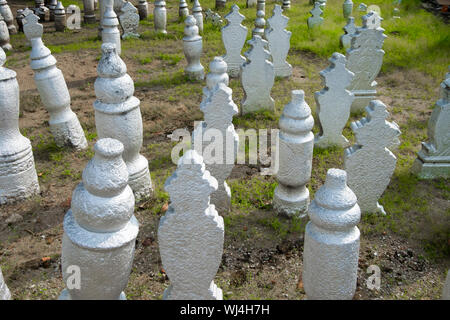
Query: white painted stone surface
{"points": [[446, 289], [193, 46], [4, 291], [347, 8], [279, 42], [118, 116], [89, 14], [316, 18], [257, 77], [217, 74], [60, 17], [52, 87], [350, 30], [233, 37], [6, 12], [364, 59], [191, 233], [100, 228], [4, 35], [110, 30], [260, 24], [143, 9], [331, 249], [333, 103], [183, 10], [18, 178], [160, 16], [73, 21], [197, 12], [369, 163], [433, 159], [129, 20], [296, 143]]}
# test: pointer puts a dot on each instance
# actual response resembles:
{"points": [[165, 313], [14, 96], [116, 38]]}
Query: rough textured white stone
{"points": [[296, 143], [4, 35], [191, 233], [350, 30], [446, 289], [197, 12], [52, 6], [160, 16], [364, 59], [60, 17], [369, 163], [316, 19], [347, 8], [193, 46], [143, 9], [110, 30], [433, 160], [279, 42], [118, 116], [100, 228], [89, 14], [257, 78], [73, 17], [233, 37], [331, 249], [4, 291], [183, 10], [333, 103], [260, 24], [218, 109], [18, 178], [5, 11], [55, 97], [129, 20]]}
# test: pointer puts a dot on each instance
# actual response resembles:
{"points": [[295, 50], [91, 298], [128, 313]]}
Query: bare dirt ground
{"points": [[260, 261]]}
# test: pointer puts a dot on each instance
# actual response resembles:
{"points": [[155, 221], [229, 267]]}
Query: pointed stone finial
{"points": [[233, 37], [118, 116], [260, 24], [279, 42], [18, 178], [331, 249], [5, 294], [364, 59], [347, 8], [217, 74], [31, 27], [197, 12], [369, 163], [191, 219], [183, 10], [129, 20], [100, 229], [60, 17], [433, 160], [4, 35], [316, 18], [193, 47], [333, 103], [257, 77], [143, 9], [291, 197], [5, 11], [350, 30], [110, 30]]}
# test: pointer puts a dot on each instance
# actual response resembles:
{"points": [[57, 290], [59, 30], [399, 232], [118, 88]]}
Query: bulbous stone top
{"points": [[218, 73], [296, 117], [109, 148], [191, 29], [5, 73], [59, 9], [196, 8], [110, 64]]}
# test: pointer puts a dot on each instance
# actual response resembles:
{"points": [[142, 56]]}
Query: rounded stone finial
{"points": [[218, 74], [218, 65], [336, 178], [296, 117], [110, 64], [190, 21], [108, 148]]}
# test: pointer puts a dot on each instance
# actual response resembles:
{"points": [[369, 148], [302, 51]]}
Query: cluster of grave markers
{"points": [[100, 228]]}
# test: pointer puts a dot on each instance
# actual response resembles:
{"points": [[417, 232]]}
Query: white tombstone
{"points": [[60, 17], [5, 294], [143, 9], [52, 87], [4, 35], [183, 10], [73, 17], [260, 24], [191, 233], [316, 18], [110, 30], [286, 5], [347, 8], [218, 139], [364, 59], [89, 11], [5, 11], [350, 30], [233, 37], [433, 160], [160, 16], [118, 116], [445, 290], [18, 178], [369, 163], [279, 42], [296, 143], [257, 77], [100, 229], [331, 249], [197, 12], [333, 103], [193, 46], [129, 20]]}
